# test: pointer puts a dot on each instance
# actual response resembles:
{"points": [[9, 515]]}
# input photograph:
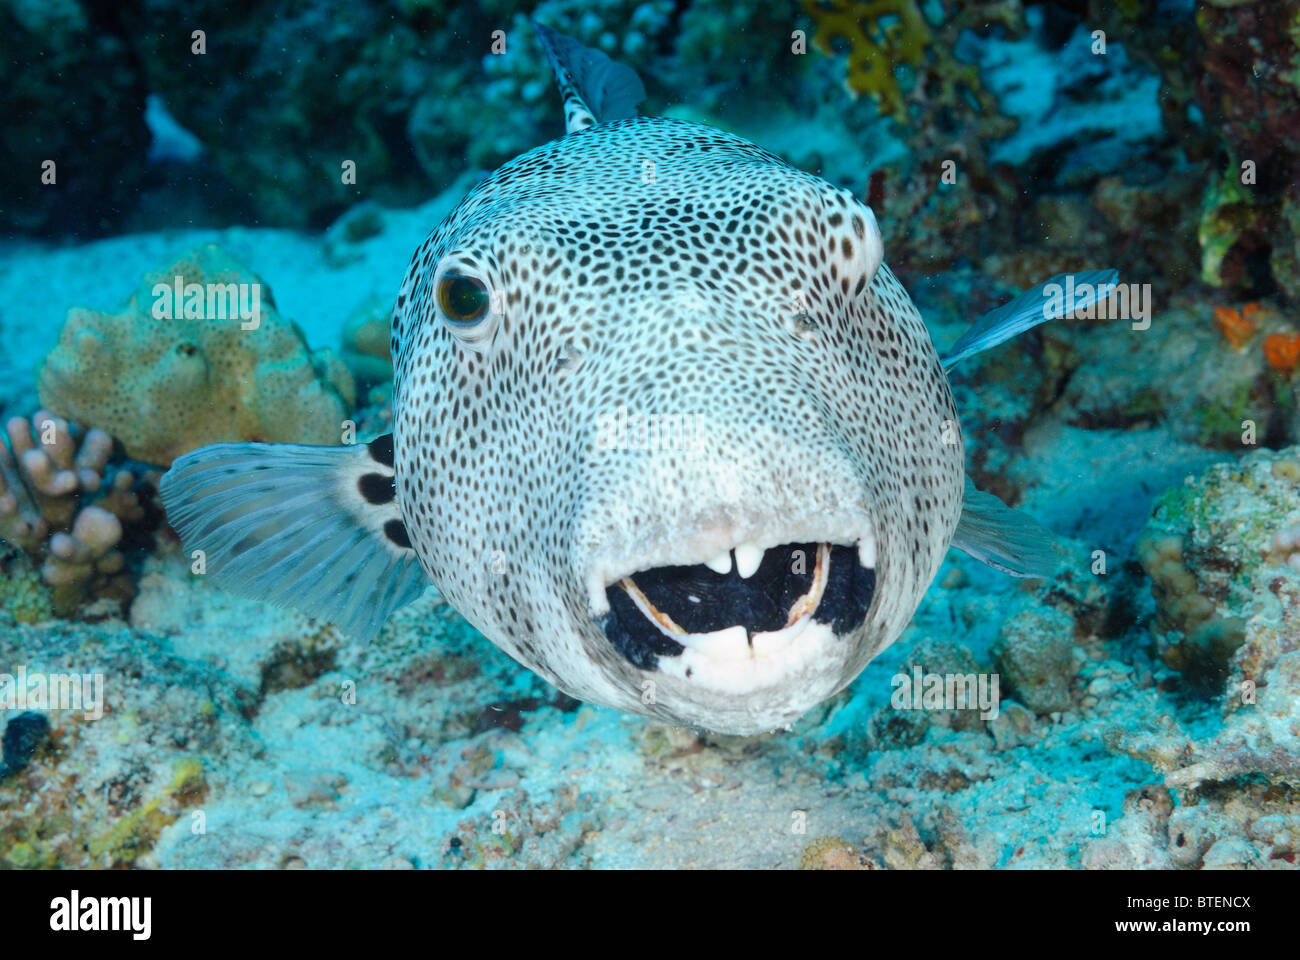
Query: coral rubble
{"points": [[1219, 554]]}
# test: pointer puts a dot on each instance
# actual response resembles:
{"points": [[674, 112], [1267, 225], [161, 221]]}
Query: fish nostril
{"points": [[569, 359], [804, 326]]}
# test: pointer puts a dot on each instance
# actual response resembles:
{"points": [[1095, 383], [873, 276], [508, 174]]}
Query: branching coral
{"points": [[877, 36], [65, 509]]}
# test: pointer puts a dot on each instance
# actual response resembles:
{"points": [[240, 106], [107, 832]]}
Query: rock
{"points": [[164, 386], [1207, 387], [1014, 726], [366, 342], [1035, 655], [832, 853]]}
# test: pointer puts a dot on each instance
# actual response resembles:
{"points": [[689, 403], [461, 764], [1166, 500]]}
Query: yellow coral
{"points": [[880, 35], [22, 594], [832, 853], [136, 833], [166, 385]]}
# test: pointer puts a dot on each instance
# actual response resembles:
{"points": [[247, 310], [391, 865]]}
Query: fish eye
{"points": [[463, 300]]}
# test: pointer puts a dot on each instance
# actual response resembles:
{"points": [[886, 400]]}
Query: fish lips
{"points": [[704, 622]]}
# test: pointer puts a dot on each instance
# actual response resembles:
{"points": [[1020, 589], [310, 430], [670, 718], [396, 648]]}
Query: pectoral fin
{"points": [[1028, 310], [313, 528], [1005, 539]]}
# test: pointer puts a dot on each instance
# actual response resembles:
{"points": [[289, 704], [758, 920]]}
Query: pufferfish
{"points": [[637, 274]]}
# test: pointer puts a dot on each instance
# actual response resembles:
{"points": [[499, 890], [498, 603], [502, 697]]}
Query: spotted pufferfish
{"points": [[653, 271]]}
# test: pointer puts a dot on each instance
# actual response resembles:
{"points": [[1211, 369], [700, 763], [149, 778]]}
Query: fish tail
{"points": [[315, 528]]}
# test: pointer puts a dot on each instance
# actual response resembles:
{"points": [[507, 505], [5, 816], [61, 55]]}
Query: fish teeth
{"points": [[731, 643], [721, 563], [748, 557]]}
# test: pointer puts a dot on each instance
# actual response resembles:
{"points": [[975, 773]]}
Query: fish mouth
{"points": [[747, 616]]}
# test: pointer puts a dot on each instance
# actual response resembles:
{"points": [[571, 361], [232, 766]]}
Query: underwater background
{"points": [[1150, 712]]}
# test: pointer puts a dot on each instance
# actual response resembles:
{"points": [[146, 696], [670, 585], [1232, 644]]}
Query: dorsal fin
{"points": [[595, 88]]}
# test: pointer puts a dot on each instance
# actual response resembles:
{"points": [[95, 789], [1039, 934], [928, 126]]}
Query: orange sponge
{"points": [[1237, 326], [1282, 351]]}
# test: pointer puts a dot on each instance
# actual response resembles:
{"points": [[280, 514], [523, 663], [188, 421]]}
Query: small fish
{"points": [[665, 429]]}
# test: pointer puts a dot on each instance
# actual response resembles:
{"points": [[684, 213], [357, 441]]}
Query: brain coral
{"points": [[171, 373]]}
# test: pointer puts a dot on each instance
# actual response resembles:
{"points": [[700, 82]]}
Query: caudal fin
{"points": [[1031, 308], [313, 528], [1005, 539]]}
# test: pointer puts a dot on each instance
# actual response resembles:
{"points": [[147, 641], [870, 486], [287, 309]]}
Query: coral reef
{"points": [[1249, 94], [1010, 95], [165, 381], [516, 84], [42, 46], [1147, 710], [346, 78], [366, 342], [65, 509], [1210, 384], [878, 36], [942, 116], [1218, 552], [1229, 95]]}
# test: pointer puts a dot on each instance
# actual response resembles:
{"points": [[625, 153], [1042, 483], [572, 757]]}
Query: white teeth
{"points": [[721, 563], [748, 557], [729, 644], [867, 552], [767, 644]]}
